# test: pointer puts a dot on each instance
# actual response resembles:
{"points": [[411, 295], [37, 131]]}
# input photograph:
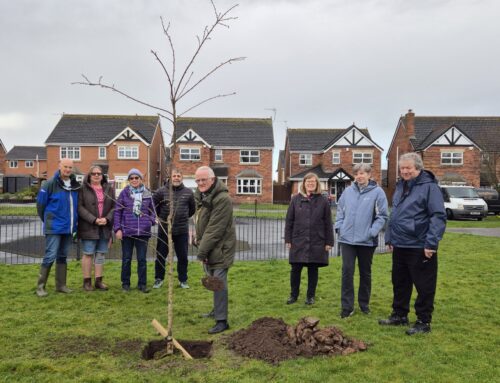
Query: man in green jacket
{"points": [[215, 237]]}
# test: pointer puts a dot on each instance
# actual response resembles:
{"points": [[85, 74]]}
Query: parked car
{"points": [[463, 202], [492, 199]]}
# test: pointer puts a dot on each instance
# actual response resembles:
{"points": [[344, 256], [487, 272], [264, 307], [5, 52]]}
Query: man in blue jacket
{"points": [[57, 205], [416, 226]]}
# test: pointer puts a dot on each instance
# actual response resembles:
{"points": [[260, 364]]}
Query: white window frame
{"points": [[79, 177], [362, 158], [119, 181], [254, 183], [223, 180], [454, 158], [99, 154], [71, 152], [128, 152], [13, 164], [305, 159], [218, 155], [251, 155], [29, 164], [335, 158], [190, 154]]}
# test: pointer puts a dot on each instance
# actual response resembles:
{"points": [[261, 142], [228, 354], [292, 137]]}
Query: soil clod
{"points": [[212, 283], [273, 341]]}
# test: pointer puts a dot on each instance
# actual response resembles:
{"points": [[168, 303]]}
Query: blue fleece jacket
{"points": [[57, 205], [418, 217], [361, 214]]}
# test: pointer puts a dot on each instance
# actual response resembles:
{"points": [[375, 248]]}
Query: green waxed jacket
{"points": [[215, 233]]}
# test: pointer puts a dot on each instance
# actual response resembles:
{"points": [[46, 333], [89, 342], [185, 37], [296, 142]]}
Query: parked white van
{"points": [[463, 202]]}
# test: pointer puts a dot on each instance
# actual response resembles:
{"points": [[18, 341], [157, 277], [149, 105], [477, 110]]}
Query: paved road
{"points": [[486, 232]]}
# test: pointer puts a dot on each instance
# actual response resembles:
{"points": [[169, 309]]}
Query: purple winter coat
{"points": [[126, 221]]}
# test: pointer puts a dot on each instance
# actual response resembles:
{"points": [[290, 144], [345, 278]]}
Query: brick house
{"points": [[24, 166], [462, 150], [239, 150], [115, 142], [331, 154], [3, 152]]}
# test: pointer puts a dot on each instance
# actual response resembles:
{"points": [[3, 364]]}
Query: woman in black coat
{"points": [[308, 235]]}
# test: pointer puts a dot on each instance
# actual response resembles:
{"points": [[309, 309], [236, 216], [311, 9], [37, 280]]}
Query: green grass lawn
{"points": [[97, 336]]}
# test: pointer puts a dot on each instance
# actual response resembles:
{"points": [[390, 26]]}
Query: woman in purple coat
{"points": [[308, 235], [134, 216]]}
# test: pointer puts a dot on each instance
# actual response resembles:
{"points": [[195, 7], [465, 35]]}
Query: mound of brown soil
{"points": [[273, 341]]}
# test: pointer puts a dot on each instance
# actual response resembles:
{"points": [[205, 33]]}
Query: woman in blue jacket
{"points": [[361, 215]]}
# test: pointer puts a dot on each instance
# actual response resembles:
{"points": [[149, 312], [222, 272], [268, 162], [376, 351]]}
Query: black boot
{"points": [[61, 272], [42, 281], [220, 326], [394, 320], [419, 328]]}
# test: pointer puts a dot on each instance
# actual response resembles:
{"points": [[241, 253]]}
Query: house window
{"points": [[305, 159], [102, 152], [218, 155], [29, 164], [249, 156], [335, 158], [190, 154], [79, 178], [223, 180], [452, 158], [365, 158], [128, 152], [71, 152], [249, 186], [13, 164]]}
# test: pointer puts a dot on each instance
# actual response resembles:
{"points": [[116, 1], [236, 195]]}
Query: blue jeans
{"points": [[141, 246], [56, 248]]}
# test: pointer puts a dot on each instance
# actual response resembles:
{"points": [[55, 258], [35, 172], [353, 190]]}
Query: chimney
{"points": [[410, 124]]}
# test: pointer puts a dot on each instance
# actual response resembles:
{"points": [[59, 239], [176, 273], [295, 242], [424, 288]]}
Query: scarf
{"points": [[137, 196]]}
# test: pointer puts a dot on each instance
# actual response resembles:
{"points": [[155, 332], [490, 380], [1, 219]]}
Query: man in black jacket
{"points": [[184, 207]]}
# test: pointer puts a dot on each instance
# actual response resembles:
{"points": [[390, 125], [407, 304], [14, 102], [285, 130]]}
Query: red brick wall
{"points": [[3, 165], [35, 171], [117, 167], [231, 157], [470, 170], [400, 145]]}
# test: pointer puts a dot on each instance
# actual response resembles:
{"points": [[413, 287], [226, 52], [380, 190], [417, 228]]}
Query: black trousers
{"points": [[312, 279], [181, 251], [364, 254], [411, 267]]}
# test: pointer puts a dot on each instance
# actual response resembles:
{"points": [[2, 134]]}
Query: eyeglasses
{"points": [[202, 180], [96, 174], [134, 178]]}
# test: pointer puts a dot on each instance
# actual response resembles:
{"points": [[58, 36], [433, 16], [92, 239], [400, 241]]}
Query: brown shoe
{"points": [[99, 284], [87, 284]]}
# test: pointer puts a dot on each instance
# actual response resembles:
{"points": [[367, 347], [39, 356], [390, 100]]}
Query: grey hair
{"points": [[208, 169], [367, 168], [415, 158]]}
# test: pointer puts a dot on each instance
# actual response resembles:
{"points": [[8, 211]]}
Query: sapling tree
{"points": [[181, 84]]}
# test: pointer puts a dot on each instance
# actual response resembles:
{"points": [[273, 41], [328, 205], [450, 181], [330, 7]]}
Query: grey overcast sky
{"points": [[320, 64]]}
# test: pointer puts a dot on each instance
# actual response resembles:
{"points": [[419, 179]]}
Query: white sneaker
{"points": [[158, 284], [184, 285]]}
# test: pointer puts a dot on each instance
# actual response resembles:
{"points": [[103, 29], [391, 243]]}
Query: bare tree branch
{"points": [[172, 49], [114, 89], [180, 96], [206, 100], [220, 17]]}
